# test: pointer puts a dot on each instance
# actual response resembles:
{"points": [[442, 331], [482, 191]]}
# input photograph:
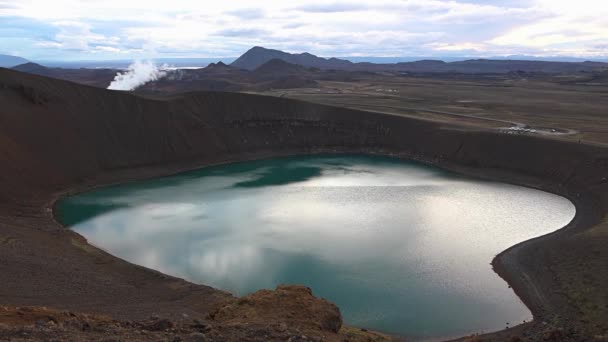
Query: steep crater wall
{"points": [[58, 136]]}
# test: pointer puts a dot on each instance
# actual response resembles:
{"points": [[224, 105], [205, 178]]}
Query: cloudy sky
{"points": [[124, 29]]}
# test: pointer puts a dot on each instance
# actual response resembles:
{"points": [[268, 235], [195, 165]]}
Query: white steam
{"points": [[138, 74]]}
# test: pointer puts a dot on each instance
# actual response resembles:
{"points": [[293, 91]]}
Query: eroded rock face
{"points": [[289, 305]]}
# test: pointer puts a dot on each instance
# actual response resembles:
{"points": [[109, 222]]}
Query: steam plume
{"points": [[138, 74]]}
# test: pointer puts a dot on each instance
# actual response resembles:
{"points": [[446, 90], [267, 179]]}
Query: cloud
{"points": [[108, 49], [333, 7], [293, 25], [77, 36], [49, 44], [458, 47], [242, 32], [184, 28], [571, 28], [247, 13]]}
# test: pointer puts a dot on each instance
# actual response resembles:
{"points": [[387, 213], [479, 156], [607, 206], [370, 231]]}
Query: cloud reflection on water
{"points": [[374, 235]]}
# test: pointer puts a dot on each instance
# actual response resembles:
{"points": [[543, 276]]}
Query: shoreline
{"points": [[512, 276]]}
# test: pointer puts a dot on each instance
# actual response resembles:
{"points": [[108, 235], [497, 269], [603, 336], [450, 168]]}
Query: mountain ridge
{"points": [[8, 61], [257, 56]]}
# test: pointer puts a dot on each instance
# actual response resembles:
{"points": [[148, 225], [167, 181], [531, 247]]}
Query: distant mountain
{"points": [[218, 65], [394, 60], [32, 68], [550, 58], [7, 61], [278, 68], [257, 56], [94, 77], [216, 71], [483, 66], [506, 66], [425, 64], [219, 69], [278, 74], [274, 74], [401, 59]]}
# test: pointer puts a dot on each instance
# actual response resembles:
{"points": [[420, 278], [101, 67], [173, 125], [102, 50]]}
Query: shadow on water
{"points": [[73, 213], [291, 170], [265, 173]]}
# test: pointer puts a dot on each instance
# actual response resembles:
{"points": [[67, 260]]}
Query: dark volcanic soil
{"points": [[58, 137], [251, 318]]}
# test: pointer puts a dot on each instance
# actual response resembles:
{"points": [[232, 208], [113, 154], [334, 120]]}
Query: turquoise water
{"points": [[400, 247]]}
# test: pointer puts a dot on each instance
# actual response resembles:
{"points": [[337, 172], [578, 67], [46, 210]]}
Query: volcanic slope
{"points": [[57, 137]]}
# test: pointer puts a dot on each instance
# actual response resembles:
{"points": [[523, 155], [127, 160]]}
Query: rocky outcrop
{"points": [[301, 317], [44, 324], [289, 305]]}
